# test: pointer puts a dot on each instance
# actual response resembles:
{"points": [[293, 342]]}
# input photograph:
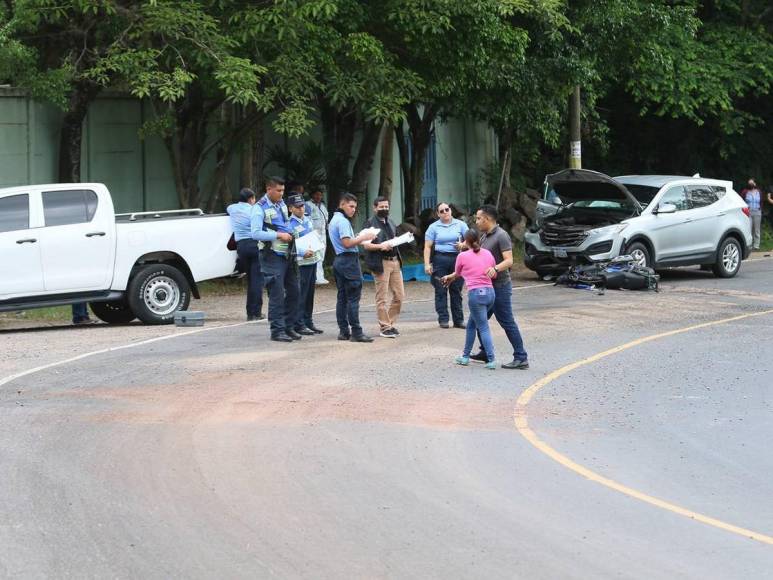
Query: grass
{"points": [[50, 314]]}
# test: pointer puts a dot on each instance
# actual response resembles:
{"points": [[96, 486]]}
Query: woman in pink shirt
{"points": [[472, 265]]}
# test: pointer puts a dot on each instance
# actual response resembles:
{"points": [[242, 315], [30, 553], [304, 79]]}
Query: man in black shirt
{"points": [[498, 242], [385, 263]]}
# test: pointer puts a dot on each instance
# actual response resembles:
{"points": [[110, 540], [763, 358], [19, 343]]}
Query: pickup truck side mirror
{"points": [[665, 208]]}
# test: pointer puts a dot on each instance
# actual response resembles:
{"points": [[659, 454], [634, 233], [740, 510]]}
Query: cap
{"points": [[295, 199]]}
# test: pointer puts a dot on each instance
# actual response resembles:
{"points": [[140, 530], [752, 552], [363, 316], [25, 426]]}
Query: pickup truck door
{"points": [[19, 248], [78, 240]]}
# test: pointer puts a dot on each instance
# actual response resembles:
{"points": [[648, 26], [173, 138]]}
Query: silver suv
{"points": [[661, 220]]}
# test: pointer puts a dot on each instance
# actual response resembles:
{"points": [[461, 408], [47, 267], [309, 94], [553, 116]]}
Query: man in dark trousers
{"points": [[385, 262], [498, 242], [278, 266], [346, 268], [241, 215]]}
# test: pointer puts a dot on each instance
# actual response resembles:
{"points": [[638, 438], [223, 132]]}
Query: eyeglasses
{"points": [[445, 210]]}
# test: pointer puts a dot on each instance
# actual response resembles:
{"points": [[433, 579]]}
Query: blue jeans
{"points": [[346, 268], [503, 312], [442, 265], [480, 302], [307, 277], [249, 256], [281, 278]]}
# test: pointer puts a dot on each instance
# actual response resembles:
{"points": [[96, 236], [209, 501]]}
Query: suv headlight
{"points": [[608, 230]]}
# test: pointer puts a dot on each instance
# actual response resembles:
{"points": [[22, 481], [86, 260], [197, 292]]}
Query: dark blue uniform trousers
{"points": [[442, 265], [308, 277], [249, 256], [346, 268], [281, 278]]}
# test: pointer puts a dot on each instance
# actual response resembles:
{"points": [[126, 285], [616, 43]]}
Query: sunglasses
{"points": [[446, 210]]}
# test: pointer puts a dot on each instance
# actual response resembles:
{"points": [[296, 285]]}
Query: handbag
{"points": [[231, 245]]}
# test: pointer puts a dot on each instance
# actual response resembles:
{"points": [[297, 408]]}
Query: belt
{"points": [[448, 253], [390, 258], [347, 255]]}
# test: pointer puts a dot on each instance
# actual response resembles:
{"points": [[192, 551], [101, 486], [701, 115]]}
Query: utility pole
{"points": [[575, 143]]}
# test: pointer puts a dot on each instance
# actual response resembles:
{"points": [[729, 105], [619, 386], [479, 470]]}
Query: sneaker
{"points": [[517, 363], [443, 325], [394, 329], [462, 360], [321, 282], [388, 333], [492, 365], [479, 356]]}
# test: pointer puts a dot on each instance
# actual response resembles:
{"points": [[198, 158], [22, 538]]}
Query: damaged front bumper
{"points": [[550, 260]]}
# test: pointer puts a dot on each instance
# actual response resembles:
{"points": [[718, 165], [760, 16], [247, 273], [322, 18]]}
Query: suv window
{"points": [[677, 197], [644, 194], [14, 213], [701, 196], [74, 206]]}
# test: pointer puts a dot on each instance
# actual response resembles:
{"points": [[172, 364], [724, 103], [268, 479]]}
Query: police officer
{"points": [[241, 214], [278, 270], [346, 267], [307, 266]]}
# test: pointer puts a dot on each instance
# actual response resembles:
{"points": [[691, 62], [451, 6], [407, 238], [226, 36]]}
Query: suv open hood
{"points": [[573, 185]]}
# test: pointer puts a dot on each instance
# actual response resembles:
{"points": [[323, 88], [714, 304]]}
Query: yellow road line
{"points": [[522, 424]]}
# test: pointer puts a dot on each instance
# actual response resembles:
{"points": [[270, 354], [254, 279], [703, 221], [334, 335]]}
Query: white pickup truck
{"points": [[63, 243]]}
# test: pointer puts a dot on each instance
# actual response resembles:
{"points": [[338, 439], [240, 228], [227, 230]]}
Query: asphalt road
{"points": [[220, 454]]}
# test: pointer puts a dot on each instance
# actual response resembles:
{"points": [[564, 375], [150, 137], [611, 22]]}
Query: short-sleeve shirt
{"points": [[340, 227], [445, 236], [498, 241]]}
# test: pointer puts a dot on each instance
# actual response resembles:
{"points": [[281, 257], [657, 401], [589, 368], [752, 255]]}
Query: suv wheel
{"points": [[728, 258], [640, 254]]}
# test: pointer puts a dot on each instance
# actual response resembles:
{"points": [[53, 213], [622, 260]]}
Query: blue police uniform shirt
{"points": [[276, 215], [241, 220], [445, 236], [257, 230], [300, 228], [340, 227]]}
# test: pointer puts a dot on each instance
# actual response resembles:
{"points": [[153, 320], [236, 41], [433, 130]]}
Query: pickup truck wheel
{"points": [[157, 291], [729, 257], [113, 312], [640, 254]]}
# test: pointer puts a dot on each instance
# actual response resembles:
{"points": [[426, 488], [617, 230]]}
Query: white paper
{"points": [[406, 238], [373, 231], [310, 241]]}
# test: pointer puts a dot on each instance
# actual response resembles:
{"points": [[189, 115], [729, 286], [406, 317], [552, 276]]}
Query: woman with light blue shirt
{"points": [[444, 236]]}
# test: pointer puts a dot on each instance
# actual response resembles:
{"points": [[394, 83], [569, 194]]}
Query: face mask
{"points": [[382, 213]]}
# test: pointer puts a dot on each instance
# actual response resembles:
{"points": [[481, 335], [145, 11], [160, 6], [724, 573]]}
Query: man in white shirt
{"points": [[317, 211]]}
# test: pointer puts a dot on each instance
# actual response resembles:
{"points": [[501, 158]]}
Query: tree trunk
{"points": [[259, 154], [71, 132], [363, 165], [505, 154], [338, 127], [387, 163], [420, 128], [246, 159]]}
